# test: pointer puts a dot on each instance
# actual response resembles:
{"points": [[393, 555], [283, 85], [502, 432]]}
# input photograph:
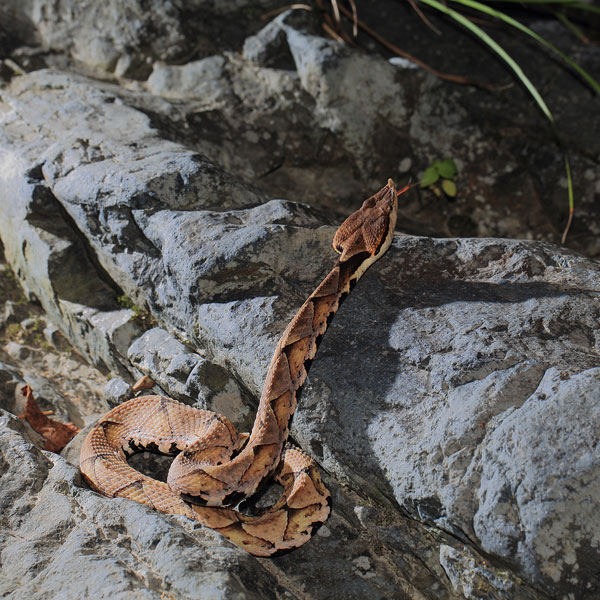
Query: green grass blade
{"points": [[560, 15], [514, 23], [491, 43], [571, 200], [565, 2], [580, 6]]}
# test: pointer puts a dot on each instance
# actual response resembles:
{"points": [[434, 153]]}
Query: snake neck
{"points": [[239, 478], [292, 360], [361, 240]]}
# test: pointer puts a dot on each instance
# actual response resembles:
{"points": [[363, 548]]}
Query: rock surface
{"points": [[72, 543], [492, 345], [454, 402]]}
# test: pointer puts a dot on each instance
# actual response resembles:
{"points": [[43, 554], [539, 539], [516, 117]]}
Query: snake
{"points": [[215, 467]]}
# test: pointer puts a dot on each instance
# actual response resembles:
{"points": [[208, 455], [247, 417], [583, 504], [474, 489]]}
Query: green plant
{"points": [[557, 8], [518, 71], [439, 177], [10, 288], [37, 326], [14, 331], [141, 315], [125, 301], [36, 335]]}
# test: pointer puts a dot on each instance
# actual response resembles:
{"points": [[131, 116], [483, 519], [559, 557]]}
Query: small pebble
{"points": [[116, 391], [17, 351], [364, 514], [324, 531], [28, 323], [9, 314], [51, 334], [363, 563], [405, 165], [403, 63]]}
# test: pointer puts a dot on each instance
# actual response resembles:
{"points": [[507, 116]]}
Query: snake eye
{"points": [[338, 248]]}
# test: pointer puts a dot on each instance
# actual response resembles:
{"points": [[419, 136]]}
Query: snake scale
{"points": [[215, 466]]}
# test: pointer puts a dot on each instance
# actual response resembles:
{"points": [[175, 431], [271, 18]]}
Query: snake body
{"points": [[215, 466]]}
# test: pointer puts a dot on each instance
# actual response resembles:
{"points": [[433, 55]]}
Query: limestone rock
{"points": [[73, 27], [9, 314], [62, 540], [199, 80], [10, 378], [113, 547], [187, 376], [462, 414], [474, 578], [453, 401]]}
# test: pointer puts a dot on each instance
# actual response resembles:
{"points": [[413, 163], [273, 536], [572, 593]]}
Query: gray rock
{"points": [[124, 65], [536, 501], [101, 335], [56, 267], [267, 46], [192, 269], [475, 579], [186, 375], [73, 28], [51, 334], [17, 351], [326, 68], [9, 314], [29, 323], [158, 170], [116, 391], [10, 378], [9, 373], [444, 121], [442, 388], [61, 540], [165, 360], [23, 470], [202, 80], [110, 548], [467, 362]]}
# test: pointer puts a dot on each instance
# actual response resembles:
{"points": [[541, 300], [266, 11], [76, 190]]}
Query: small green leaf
{"points": [[447, 168], [449, 187], [430, 176]]}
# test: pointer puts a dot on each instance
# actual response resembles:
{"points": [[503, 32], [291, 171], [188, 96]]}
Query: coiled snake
{"points": [[215, 466]]}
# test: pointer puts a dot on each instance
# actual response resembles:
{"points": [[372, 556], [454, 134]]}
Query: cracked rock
{"points": [[185, 375], [454, 399]]}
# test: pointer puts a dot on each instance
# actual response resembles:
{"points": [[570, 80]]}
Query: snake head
{"points": [[371, 228]]}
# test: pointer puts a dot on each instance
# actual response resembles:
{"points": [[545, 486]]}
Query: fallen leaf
{"points": [[56, 434], [143, 383]]}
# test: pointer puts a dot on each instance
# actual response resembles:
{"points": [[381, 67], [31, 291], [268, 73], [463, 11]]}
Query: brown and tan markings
{"points": [[215, 466]]}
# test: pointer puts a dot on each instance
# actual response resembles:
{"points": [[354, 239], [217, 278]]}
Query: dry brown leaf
{"points": [[56, 434]]}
